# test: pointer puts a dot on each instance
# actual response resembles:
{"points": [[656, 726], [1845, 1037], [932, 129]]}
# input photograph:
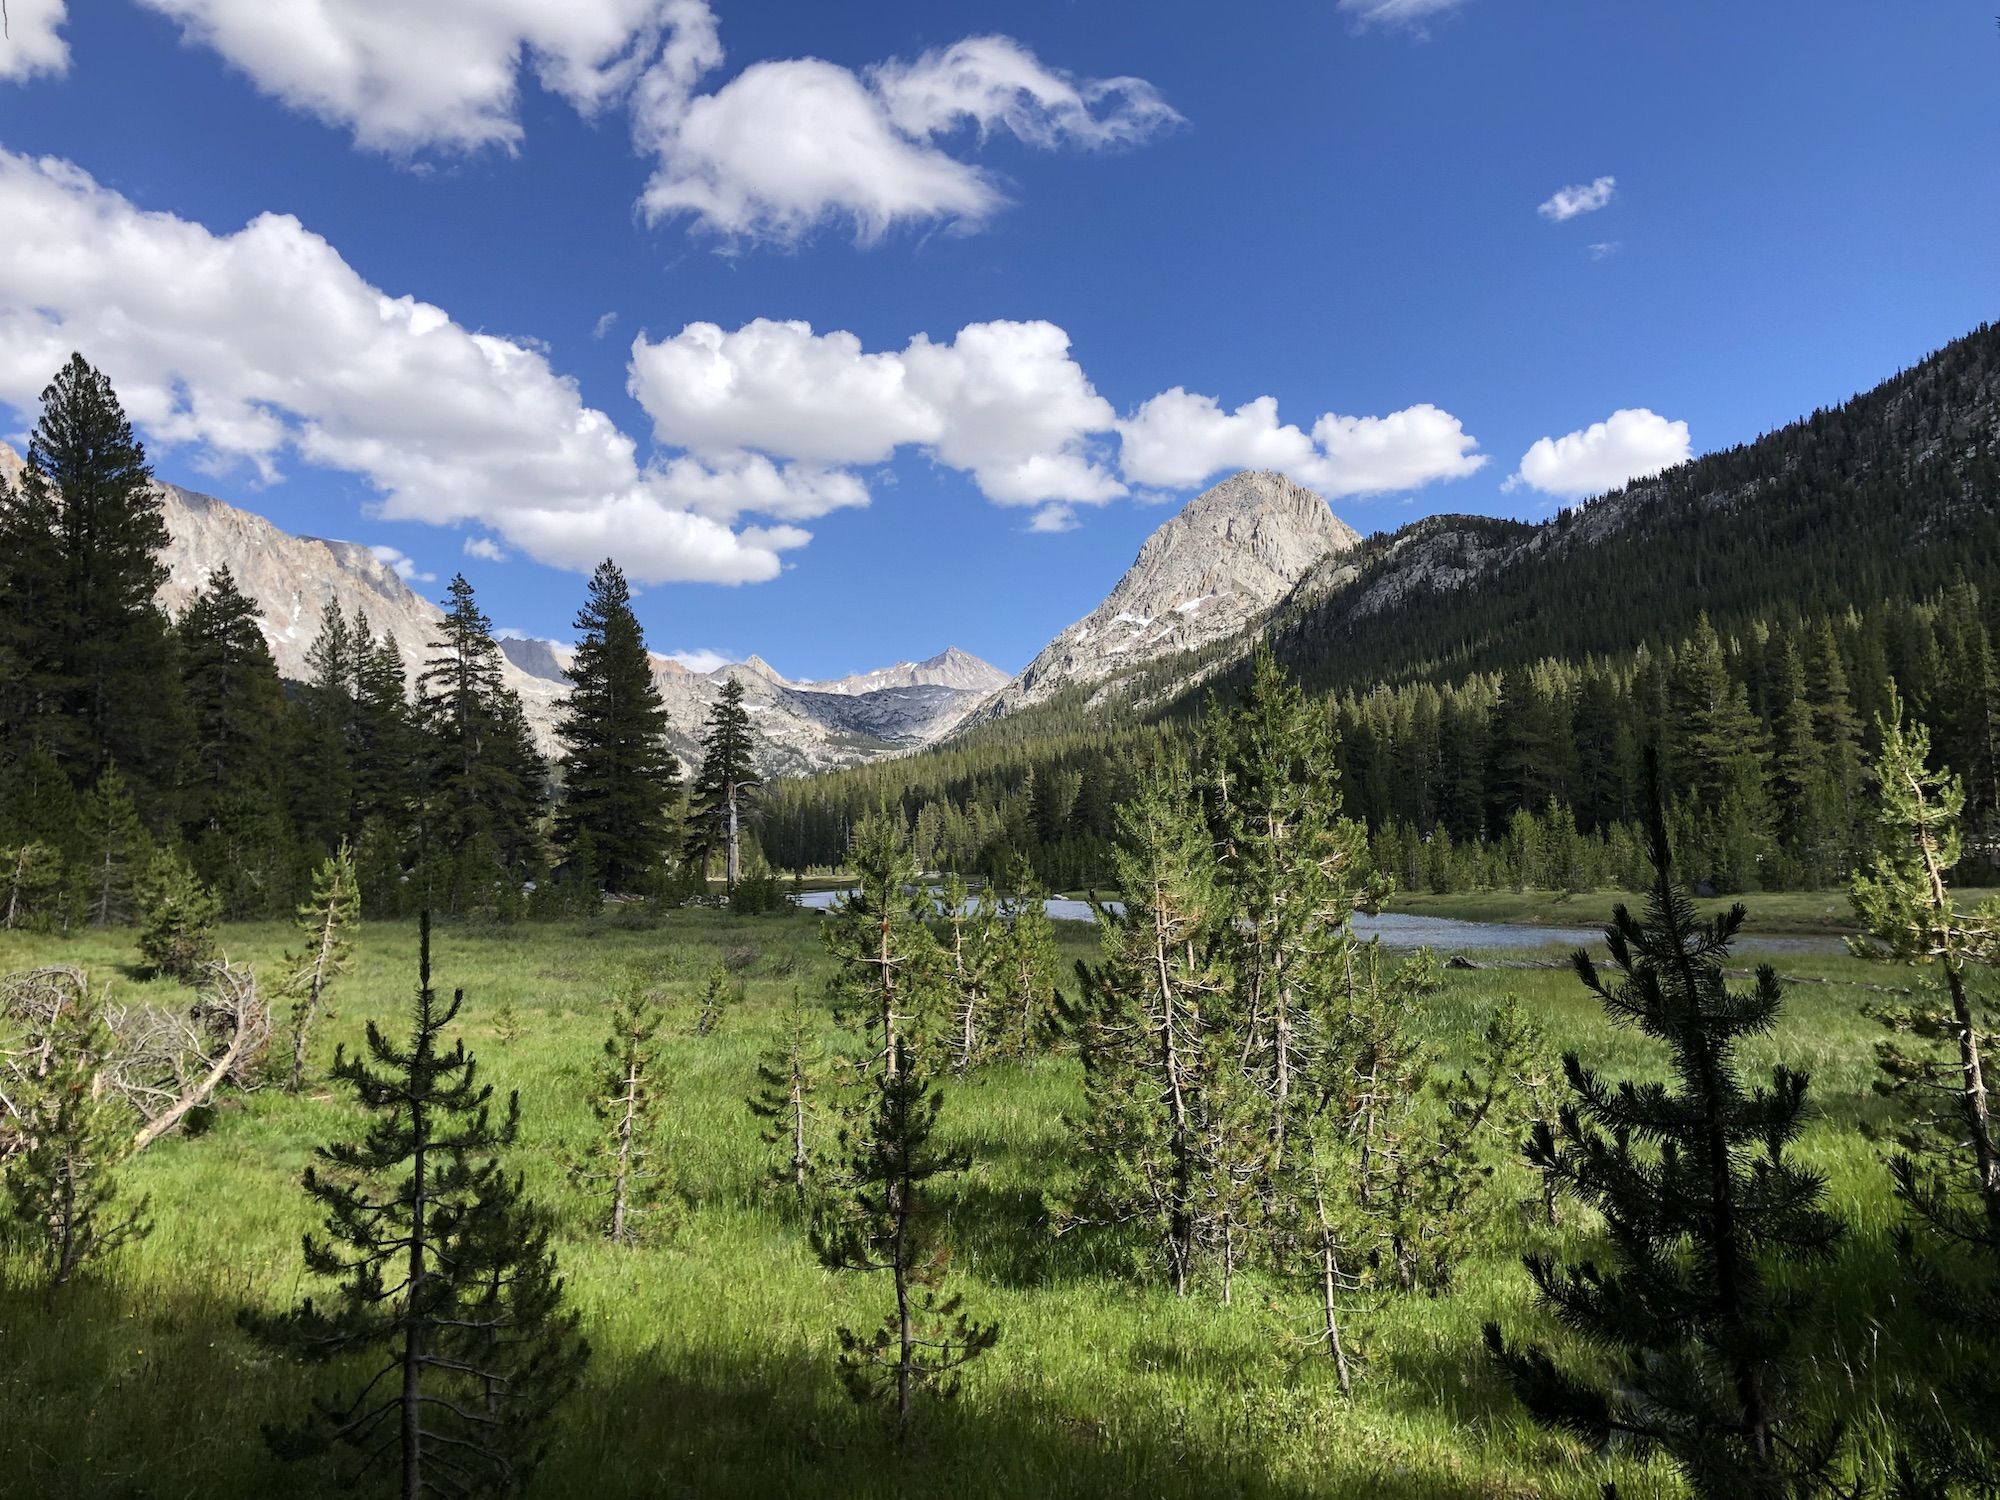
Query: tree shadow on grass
{"points": [[134, 1395]]}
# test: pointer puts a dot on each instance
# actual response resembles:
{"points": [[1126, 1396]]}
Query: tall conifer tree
{"points": [[726, 786], [81, 537], [620, 778]]}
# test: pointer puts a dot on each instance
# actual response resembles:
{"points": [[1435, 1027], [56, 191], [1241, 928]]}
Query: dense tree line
{"points": [[1528, 777], [162, 759]]}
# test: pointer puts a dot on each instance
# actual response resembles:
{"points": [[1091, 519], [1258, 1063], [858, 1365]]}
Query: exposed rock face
{"points": [[800, 727], [1234, 552], [950, 668]]}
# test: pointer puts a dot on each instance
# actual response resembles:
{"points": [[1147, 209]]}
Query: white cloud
{"points": [[783, 147], [1178, 439], [787, 146], [1003, 401], [1053, 519], [485, 549], [34, 41], [253, 346], [402, 564], [442, 73], [1578, 198], [604, 324], [1410, 13], [1604, 249], [701, 659], [1629, 444]]}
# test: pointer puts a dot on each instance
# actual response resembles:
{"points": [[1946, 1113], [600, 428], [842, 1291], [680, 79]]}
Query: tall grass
{"points": [[713, 1367]]}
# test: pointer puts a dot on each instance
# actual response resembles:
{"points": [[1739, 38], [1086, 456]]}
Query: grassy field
{"points": [[712, 1373]]}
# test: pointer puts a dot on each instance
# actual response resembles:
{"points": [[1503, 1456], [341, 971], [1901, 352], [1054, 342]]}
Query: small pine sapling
{"points": [[447, 1297], [623, 1165], [177, 918], [326, 922], [717, 997], [1934, 1063], [1688, 1324], [881, 1218], [68, 1136], [788, 1079]]}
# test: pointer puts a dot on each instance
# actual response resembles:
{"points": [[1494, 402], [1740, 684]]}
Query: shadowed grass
{"points": [[713, 1368]]}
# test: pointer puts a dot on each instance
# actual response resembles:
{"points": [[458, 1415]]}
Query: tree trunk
{"points": [[1330, 1304], [413, 1338], [1973, 1096], [622, 1175], [799, 1158], [733, 867]]}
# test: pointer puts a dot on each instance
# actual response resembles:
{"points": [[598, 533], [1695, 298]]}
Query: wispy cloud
{"points": [[1578, 198], [1604, 249], [1411, 14]]}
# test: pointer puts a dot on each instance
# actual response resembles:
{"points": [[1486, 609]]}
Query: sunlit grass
{"points": [[713, 1373]]}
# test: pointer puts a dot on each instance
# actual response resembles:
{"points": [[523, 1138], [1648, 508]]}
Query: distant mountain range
{"points": [[1888, 496], [801, 727]]}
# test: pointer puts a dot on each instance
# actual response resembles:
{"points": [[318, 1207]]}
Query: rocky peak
{"points": [[1233, 552]]}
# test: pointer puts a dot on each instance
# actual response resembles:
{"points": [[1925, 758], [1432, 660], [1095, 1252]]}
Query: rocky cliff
{"points": [[1234, 552]]}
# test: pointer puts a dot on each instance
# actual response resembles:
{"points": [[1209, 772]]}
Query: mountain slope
{"points": [[1892, 495], [799, 727], [1232, 553]]}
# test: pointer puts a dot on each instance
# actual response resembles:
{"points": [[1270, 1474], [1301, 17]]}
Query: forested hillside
{"points": [[1747, 612]]}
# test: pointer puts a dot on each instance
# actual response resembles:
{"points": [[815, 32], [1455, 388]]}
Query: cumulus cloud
{"points": [[1629, 444], [403, 565], [485, 549], [1578, 198], [1178, 439], [1410, 13], [701, 659], [783, 147], [262, 344], [787, 146], [404, 77], [1003, 401], [34, 41]]}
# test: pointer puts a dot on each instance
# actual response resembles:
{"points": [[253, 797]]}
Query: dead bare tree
{"points": [[162, 1063]]}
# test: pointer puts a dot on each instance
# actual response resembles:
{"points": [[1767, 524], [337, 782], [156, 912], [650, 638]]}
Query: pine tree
{"points": [[623, 1166], [445, 1280], [62, 1187], [889, 983], [1020, 965], [726, 786], [484, 779], [878, 1214], [716, 998], [620, 779], [326, 923], [113, 848], [1947, 1166], [330, 732], [1143, 1026], [177, 918], [1291, 871], [81, 541], [788, 1079], [1701, 1206], [881, 1218], [231, 813], [1494, 1103], [968, 930]]}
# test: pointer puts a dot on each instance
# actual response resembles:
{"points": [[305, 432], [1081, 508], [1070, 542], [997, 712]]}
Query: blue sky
{"points": [[1066, 263]]}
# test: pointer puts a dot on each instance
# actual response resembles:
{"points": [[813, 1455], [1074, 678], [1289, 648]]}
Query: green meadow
{"points": [[712, 1371]]}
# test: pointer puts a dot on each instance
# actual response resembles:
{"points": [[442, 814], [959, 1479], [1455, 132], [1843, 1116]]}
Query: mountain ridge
{"points": [[799, 727]]}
